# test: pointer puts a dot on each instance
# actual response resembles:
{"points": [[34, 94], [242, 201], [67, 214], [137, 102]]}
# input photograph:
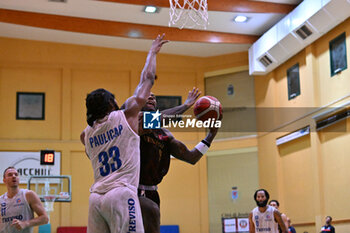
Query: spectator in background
{"points": [[291, 229], [328, 228]]}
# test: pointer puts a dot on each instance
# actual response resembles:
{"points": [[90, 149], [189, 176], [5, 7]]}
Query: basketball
{"points": [[207, 107]]}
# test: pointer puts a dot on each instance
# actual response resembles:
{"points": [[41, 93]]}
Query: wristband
{"points": [[206, 143], [201, 147]]}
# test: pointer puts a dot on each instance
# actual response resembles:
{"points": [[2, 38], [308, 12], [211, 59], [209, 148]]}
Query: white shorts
{"points": [[117, 211]]}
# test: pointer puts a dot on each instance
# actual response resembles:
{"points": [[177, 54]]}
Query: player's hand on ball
{"points": [[221, 116]]}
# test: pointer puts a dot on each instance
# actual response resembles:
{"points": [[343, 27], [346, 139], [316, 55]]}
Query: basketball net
{"points": [[190, 13], [49, 200]]}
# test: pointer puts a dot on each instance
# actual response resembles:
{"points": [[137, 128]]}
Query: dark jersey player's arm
{"points": [[280, 222], [180, 150]]}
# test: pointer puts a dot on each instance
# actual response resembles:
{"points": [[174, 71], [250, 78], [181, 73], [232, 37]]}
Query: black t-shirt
{"points": [[327, 229]]}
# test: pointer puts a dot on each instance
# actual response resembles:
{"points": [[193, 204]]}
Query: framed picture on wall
{"points": [[337, 53], [293, 81], [165, 102], [30, 106]]}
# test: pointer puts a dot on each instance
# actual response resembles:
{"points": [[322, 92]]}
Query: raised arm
{"points": [[191, 99], [280, 222], [180, 151], [134, 104], [37, 207]]}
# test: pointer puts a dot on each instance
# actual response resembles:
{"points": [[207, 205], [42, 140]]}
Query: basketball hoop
{"points": [[191, 13], [49, 200]]}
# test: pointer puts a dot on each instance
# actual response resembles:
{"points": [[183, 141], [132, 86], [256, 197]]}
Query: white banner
{"points": [[243, 224], [230, 225], [28, 164]]}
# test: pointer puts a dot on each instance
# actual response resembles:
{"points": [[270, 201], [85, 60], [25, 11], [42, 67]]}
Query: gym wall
{"points": [[309, 175]]}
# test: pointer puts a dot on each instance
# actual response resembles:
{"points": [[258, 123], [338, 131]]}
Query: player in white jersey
{"points": [[113, 146], [265, 218], [18, 206]]}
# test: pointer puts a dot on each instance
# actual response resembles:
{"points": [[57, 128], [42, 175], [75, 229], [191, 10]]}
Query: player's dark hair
{"points": [[7, 169], [266, 194], [329, 217], [278, 204], [99, 103]]}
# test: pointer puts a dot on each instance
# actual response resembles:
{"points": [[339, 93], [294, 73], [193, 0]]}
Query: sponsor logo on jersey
{"points": [[18, 203], [268, 218], [9, 219], [256, 217], [3, 209], [132, 216]]}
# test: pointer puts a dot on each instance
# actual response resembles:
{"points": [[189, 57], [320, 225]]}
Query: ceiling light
{"points": [[241, 19], [150, 9], [134, 34], [214, 39]]}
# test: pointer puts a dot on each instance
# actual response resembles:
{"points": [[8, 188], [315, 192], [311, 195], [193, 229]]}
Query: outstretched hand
{"points": [[192, 97], [158, 43]]}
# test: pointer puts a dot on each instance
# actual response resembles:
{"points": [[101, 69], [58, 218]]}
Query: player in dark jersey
{"points": [[276, 204], [156, 146]]}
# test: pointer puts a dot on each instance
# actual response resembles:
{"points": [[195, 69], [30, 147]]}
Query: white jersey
{"points": [[265, 222], [16, 207], [114, 150]]}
